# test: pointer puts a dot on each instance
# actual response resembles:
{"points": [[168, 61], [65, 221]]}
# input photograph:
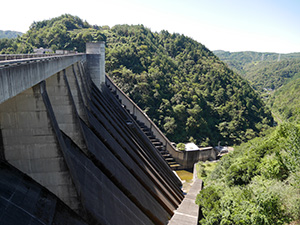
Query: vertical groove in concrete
{"points": [[62, 102], [31, 146], [2, 157], [75, 86]]}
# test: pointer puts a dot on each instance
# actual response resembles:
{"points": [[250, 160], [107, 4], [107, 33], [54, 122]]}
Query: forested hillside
{"points": [[275, 76], [188, 92], [9, 34], [65, 32], [259, 183], [184, 88], [263, 70], [285, 101], [272, 75]]}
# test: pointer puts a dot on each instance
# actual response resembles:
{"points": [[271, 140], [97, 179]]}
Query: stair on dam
{"points": [[159, 146], [147, 131]]}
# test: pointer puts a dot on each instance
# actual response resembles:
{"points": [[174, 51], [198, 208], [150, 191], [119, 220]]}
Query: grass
{"points": [[185, 175], [204, 169], [187, 179]]}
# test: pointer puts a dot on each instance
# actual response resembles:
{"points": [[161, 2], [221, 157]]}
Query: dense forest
{"points": [[187, 91], [265, 71], [183, 87], [65, 32], [258, 183], [285, 103], [274, 76], [9, 34]]}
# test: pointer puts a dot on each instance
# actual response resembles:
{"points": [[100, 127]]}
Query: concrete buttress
{"points": [[70, 153]]}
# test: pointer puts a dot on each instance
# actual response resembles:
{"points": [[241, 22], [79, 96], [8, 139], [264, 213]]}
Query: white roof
{"points": [[191, 147]]}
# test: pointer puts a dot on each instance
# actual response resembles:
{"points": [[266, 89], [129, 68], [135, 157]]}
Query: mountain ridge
{"points": [[263, 70], [277, 80], [9, 34]]}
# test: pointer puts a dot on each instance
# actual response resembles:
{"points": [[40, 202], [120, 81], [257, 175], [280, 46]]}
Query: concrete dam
{"points": [[71, 152]]}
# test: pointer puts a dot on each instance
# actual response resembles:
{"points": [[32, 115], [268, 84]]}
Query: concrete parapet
{"points": [[188, 212], [15, 79]]}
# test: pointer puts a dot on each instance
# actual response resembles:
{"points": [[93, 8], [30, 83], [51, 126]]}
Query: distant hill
{"points": [[271, 75], [275, 76], [249, 56], [184, 88], [263, 70], [9, 34]]}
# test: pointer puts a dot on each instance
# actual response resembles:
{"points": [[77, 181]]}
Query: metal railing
{"points": [[186, 159], [20, 59], [4, 57], [143, 117]]}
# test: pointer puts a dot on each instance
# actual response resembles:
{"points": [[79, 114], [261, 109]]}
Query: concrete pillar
{"points": [[96, 62]]}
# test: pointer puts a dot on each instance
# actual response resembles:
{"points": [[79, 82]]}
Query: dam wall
{"points": [[68, 142]]}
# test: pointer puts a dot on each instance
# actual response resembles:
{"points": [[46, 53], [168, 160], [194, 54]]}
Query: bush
{"points": [[259, 183], [180, 146]]}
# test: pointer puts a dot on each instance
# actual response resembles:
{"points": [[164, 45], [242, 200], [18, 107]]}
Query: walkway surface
{"points": [[187, 212]]}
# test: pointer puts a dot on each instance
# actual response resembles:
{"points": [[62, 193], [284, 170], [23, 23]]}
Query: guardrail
{"points": [[30, 58], [186, 159], [24, 56], [21, 74], [142, 117]]}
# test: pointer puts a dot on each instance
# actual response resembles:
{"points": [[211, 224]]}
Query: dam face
{"points": [[70, 153]]}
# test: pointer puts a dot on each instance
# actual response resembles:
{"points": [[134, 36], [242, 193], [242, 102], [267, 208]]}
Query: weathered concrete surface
{"points": [[75, 141], [62, 100], [25, 202], [138, 141], [187, 212], [104, 201], [15, 79], [31, 145]]}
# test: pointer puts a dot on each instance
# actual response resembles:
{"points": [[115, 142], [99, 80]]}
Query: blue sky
{"points": [[231, 25]]}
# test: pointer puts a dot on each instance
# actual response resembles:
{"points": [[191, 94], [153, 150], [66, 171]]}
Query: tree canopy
{"points": [[184, 87], [263, 70], [258, 183], [275, 76]]}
